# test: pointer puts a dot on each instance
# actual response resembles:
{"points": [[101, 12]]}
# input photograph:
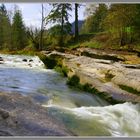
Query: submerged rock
{"points": [[1, 59], [21, 116], [30, 60], [24, 60], [30, 65]]}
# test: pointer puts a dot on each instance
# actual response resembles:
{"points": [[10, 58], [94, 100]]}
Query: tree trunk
{"points": [[76, 21], [122, 37], [131, 35], [62, 27], [42, 29]]}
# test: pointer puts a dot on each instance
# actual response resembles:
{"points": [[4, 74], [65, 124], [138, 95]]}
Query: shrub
{"points": [[73, 81]]}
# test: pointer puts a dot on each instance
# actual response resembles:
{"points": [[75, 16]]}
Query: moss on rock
{"points": [[74, 81], [129, 89]]}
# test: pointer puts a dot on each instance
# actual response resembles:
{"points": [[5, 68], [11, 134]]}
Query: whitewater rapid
{"points": [[21, 61], [113, 120]]}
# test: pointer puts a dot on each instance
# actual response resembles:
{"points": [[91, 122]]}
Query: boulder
{"points": [[22, 116], [1, 59], [24, 60], [30, 60]]}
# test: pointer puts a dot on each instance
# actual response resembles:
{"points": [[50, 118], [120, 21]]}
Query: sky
{"points": [[31, 12]]}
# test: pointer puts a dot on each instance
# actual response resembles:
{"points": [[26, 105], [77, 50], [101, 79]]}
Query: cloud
{"points": [[32, 22]]}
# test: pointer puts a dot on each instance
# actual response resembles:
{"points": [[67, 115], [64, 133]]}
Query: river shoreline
{"points": [[101, 71]]}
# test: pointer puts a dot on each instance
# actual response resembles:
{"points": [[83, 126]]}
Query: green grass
{"points": [[108, 76], [74, 46], [20, 52], [62, 70], [74, 82], [92, 44], [129, 89]]}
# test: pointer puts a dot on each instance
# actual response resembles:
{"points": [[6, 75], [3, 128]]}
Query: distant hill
{"points": [[80, 23]]}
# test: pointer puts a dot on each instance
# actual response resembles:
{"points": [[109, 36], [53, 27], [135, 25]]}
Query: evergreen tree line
{"points": [[12, 33], [15, 36]]}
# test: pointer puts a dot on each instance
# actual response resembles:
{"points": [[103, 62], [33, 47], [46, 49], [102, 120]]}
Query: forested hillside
{"points": [[114, 26]]}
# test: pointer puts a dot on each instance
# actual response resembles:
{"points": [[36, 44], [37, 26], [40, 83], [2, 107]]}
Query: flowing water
{"points": [[82, 113]]}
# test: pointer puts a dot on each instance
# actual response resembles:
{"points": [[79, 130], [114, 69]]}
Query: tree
{"points": [[96, 15], [19, 38], [34, 37], [137, 22], [76, 21], [60, 14], [54, 35], [5, 28], [87, 27], [42, 29], [120, 22]]}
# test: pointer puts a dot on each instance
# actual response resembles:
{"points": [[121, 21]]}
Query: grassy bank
{"points": [[74, 82], [102, 41], [129, 89], [20, 52]]}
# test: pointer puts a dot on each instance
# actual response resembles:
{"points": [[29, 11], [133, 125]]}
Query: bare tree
{"points": [[42, 28], [34, 36], [76, 21]]}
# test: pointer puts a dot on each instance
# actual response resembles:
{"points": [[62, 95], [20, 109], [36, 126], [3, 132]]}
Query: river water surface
{"points": [[82, 113]]}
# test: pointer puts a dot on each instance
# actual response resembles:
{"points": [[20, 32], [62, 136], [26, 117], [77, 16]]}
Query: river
{"points": [[82, 113]]}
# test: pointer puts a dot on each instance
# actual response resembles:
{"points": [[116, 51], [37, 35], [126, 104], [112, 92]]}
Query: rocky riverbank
{"points": [[22, 116], [105, 71]]}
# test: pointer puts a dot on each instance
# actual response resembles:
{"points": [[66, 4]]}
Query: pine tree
{"points": [[60, 14], [19, 38], [76, 21], [42, 28], [5, 28]]}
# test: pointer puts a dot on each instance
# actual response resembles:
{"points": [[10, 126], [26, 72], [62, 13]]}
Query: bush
{"points": [[73, 81], [129, 89], [92, 44], [30, 47], [102, 37], [61, 69]]}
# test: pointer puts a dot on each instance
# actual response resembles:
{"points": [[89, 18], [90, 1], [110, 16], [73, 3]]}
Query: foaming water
{"points": [[112, 120], [21, 61]]}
